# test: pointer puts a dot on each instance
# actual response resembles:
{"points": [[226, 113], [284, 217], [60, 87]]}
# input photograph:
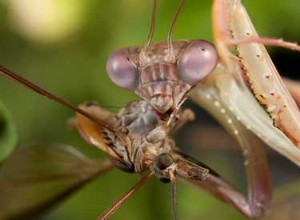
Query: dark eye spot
{"points": [[164, 160], [164, 179]]}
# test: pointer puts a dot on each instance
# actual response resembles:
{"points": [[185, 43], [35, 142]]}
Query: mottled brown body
{"points": [[135, 140]]}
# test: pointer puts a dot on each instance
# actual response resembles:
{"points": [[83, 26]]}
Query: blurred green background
{"points": [[63, 45]]}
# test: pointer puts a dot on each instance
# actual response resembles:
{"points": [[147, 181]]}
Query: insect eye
{"points": [[197, 61], [122, 70], [164, 160]]}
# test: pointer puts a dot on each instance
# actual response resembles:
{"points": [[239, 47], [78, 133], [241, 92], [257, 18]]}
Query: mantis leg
{"points": [[294, 88], [273, 115], [257, 203], [259, 182], [259, 190], [224, 14]]}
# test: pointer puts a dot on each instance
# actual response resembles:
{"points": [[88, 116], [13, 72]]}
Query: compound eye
{"points": [[164, 160], [198, 60], [122, 70]]}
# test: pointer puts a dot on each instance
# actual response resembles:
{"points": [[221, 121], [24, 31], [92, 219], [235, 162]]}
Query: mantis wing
{"points": [[36, 177]]}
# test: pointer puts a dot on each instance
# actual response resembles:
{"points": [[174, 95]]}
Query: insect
{"points": [[138, 137]]}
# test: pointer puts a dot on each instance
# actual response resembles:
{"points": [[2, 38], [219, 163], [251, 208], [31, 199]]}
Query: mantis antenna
{"points": [[169, 39], [152, 25], [174, 205]]}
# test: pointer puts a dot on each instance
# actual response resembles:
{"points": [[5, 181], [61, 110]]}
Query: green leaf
{"points": [[8, 134], [38, 176]]}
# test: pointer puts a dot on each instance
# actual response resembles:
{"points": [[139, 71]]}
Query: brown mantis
{"points": [[138, 138]]}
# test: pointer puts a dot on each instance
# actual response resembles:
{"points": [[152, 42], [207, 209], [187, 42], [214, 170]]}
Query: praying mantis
{"points": [[218, 99]]}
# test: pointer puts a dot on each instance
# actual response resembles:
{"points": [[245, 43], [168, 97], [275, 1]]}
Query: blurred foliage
{"points": [[8, 134], [73, 66], [46, 21], [286, 205]]}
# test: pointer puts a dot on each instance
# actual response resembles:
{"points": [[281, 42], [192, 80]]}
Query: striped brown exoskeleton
{"points": [[138, 138]]}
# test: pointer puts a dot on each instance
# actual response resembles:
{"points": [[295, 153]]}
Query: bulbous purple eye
{"points": [[122, 70], [197, 61]]}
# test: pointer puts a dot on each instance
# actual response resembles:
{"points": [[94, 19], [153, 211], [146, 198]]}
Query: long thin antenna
{"points": [[170, 32], [152, 25], [24, 82], [174, 205], [124, 198]]}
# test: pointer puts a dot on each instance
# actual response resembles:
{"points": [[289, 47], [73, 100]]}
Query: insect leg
{"points": [[259, 182], [254, 70], [294, 88], [266, 41], [184, 116]]}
